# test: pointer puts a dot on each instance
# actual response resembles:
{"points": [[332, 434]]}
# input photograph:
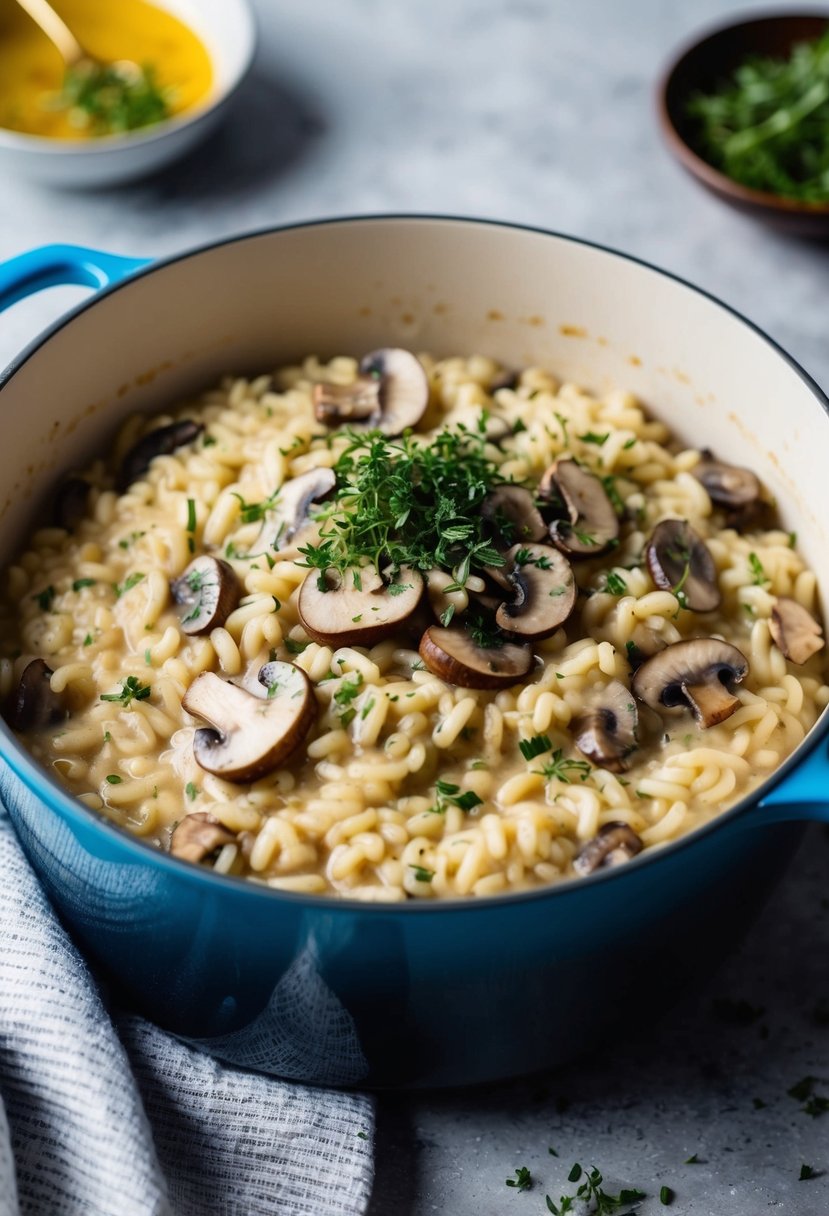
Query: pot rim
{"points": [[39, 782]]}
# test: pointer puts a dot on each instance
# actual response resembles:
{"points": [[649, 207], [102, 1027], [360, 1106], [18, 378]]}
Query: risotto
{"points": [[408, 628]]}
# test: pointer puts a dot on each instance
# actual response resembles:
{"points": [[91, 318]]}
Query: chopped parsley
{"points": [[114, 779], [523, 1179], [535, 746], [45, 598], [401, 503], [88, 640], [562, 768], [80, 583], [191, 514], [592, 1195], [345, 694], [666, 1196], [692, 1160], [131, 581], [614, 583], [806, 1172], [422, 874], [446, 616], [190, 790], [449, 794], [294, 647], [106, 99], [126, 541], [131, 690], [759, 577], [592, 437]]}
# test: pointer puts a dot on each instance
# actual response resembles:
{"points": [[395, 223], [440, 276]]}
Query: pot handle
{"points": [[803, 792], [58, 265]]}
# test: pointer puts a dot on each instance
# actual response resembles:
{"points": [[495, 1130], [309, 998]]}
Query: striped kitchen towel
{"points": [[104, 1118]]}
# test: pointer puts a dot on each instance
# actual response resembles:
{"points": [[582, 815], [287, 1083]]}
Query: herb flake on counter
{"points": [[523, 1179], [666, 1196], [807, 1172], [592, 1192]]}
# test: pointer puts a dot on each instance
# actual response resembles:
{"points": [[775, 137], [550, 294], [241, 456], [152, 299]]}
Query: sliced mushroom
{"points": [[794, 630], [698, 675], [455, 657], [35, 705], [357, 607], [198, 835], [613, 844], [250, 734], [680, 561], [285, 523], [728, 485], [161, 442], [390, 394], [512, 515], [593, 525], [606, 731], [544, 589], [69, 506], [207, 591]]}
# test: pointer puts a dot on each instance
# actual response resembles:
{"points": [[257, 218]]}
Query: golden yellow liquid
{"points": [[31, 68]]}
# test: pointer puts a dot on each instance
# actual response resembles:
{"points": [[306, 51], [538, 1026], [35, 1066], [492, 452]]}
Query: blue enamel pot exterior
{"points": [[422, 994]]}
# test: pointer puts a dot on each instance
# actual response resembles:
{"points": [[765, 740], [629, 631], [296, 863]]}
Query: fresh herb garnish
{"points": [[114, 779], [451, 795], [191, 514], [294, 647], [692, 1160], [88, 640], [402, 503], [190, 790], [759, 576], [562, 768], [591, 1193], [614, 583], [131, 690], [80, 583], [806, 1172], [110, 98], [666, 1196], [523, 1179], [766, 124], [126, 541], [535, 746], [345, 694], [131, 581], [422, 874], [592, 437], [45, 598]]}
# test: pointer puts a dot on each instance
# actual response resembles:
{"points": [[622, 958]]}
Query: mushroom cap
{"points": [[198, 835], [287, 520], [161, 442], [404, 387], [794, 630], [593, 525], [359, 606], [680, 561], [35, 705], [454, 656], [250, 735], [613, 844], [513, 516], [390, 394], [697, 674], [545, 592], [208, 591], [606, 730], [728, 485]]}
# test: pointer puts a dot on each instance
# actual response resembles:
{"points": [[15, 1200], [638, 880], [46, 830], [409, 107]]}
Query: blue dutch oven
{"points": [[335, 991]]}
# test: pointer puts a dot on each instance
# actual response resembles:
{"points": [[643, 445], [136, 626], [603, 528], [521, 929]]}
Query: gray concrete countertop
{"points": [[536, 111]]}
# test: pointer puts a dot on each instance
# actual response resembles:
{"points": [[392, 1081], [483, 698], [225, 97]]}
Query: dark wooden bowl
{"points": [[704, 64]]}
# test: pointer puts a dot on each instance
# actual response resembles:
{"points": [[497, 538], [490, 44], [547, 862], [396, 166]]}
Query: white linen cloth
{"points": [[103, 1118]]}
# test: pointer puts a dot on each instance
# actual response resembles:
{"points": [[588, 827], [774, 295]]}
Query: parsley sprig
{"points": [[767, 124], [563, 768], [449, 794], [131, 690], [591, 1192], [400, 502]]}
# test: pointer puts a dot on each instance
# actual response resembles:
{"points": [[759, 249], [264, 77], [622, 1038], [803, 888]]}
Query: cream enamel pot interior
{"points": [[335, 991]]}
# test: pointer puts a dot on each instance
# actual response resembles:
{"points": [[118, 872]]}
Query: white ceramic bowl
{"points": [[227, 29]]}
